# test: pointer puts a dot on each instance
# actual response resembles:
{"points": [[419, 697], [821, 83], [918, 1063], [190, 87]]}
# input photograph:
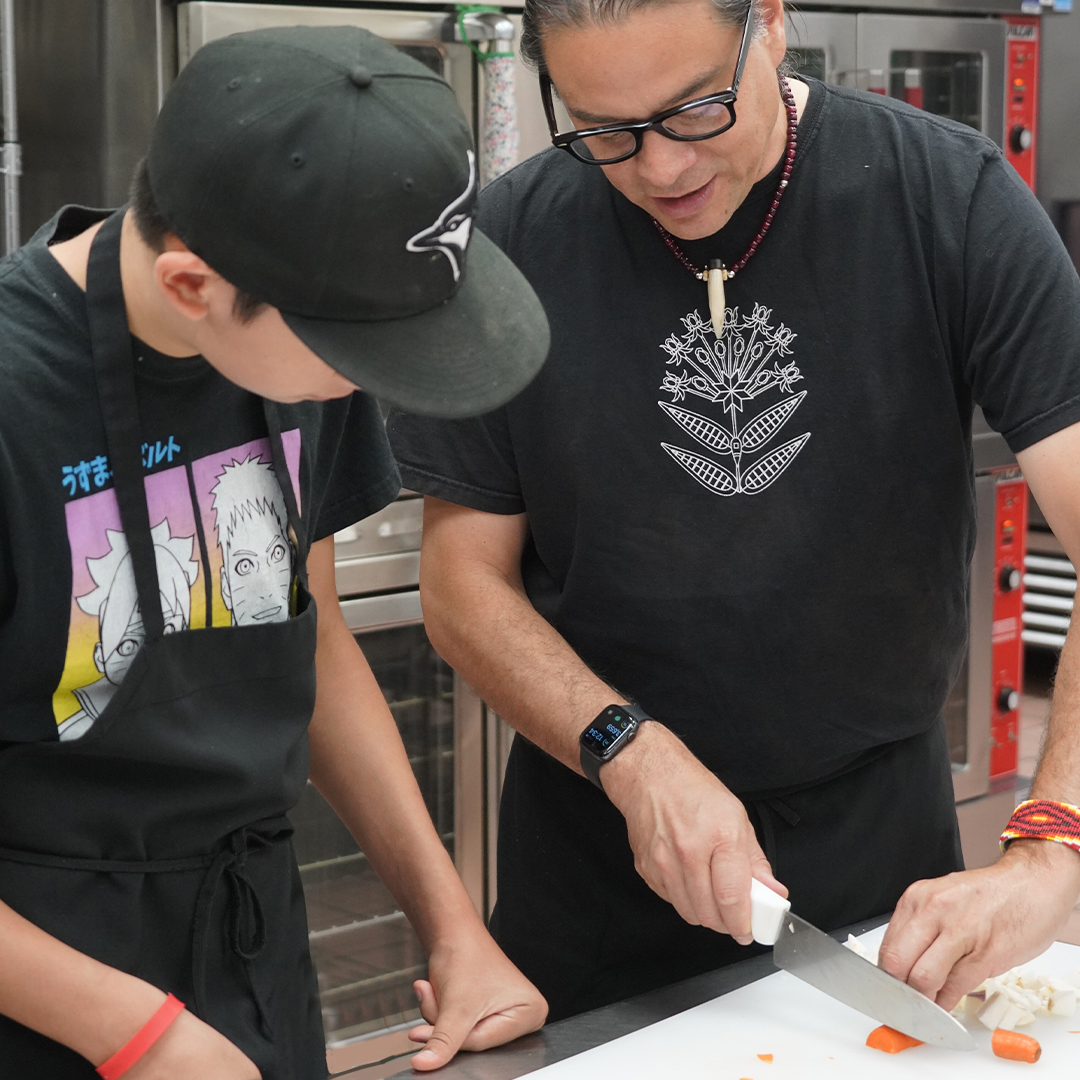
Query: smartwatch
{"points": [[609, 733]]}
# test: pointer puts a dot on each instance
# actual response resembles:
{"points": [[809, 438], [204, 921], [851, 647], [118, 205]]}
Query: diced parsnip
{"points": [[1012, 1015], [856, 946], [1025, 1019], [993, 1010], [972, 1005], [1062, 1002]]}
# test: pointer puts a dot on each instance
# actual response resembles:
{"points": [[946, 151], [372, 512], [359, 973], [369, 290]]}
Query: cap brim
{"points": [[465, 357]]}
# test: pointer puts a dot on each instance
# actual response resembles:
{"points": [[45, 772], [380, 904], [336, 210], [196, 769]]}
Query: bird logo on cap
{"points": [[451, 231]]}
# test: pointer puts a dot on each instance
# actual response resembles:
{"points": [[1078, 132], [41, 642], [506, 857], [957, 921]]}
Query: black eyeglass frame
{"points": [[564, 140]]}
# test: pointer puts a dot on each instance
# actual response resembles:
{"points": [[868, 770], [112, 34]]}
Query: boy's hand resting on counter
{"points": [[475, 998]]}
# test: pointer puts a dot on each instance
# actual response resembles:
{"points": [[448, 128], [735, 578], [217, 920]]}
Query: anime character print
{"points": [[256, 568], [115, 605], [231, 497]]}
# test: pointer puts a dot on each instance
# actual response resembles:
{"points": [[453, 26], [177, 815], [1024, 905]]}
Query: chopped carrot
{"points": [[1015, 1046], [890, 1040], [765, 1057]]}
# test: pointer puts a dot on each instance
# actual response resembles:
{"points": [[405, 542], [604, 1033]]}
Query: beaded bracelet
{"points": [[137, 1046], [1044, 819]]}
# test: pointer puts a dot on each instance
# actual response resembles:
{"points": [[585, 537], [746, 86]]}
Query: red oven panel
{"points": [[1022, 94], [1010, 531]]}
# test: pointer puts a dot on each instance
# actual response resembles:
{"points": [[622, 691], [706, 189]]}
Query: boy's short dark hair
{"points": [[153, 228]]}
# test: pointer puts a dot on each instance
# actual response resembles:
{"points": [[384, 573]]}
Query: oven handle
{"points": [[369, 613]]}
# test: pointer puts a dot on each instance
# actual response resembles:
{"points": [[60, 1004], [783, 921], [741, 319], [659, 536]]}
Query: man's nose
{"points": [[661, 161]]}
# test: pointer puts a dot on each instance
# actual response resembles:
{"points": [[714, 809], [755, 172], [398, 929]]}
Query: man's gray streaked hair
{"points": [[544, 15]]}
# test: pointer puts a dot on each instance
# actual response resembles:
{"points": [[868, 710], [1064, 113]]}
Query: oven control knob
{"points": [[1008, 699], [1009, 578], [1020, 139]]}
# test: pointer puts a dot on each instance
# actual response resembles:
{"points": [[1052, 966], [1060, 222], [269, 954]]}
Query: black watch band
{"points": [[612, 731]]}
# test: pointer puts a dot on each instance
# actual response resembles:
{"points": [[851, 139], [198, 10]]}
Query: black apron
{"points": [[580, 922], [158, 842]]}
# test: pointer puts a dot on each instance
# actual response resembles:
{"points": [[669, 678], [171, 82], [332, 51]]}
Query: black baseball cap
{"points": [[325, 172]]}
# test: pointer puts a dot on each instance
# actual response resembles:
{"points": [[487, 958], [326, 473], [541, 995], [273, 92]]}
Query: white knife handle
{"points": [[767, 911]]}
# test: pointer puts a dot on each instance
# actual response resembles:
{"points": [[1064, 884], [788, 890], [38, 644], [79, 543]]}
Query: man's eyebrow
{"points": [[685, 94]]}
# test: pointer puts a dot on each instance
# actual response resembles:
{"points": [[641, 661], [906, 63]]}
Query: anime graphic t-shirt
{"points": [[232, 566], [70, 623]]}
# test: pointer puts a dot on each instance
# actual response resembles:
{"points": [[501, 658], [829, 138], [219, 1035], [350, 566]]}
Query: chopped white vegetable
{"points": [[1062, 1002], [859, 948], [994, 1010], [1013, 1014], [1014, 999]]}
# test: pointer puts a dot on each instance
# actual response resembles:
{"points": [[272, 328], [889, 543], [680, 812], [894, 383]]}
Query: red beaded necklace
{"points": [[717, 273]]}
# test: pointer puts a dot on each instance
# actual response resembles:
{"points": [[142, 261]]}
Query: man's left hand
{"points": [[475, 999], [949, 934]]}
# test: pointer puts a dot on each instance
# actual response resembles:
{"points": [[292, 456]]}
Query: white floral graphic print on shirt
{"points": [[733, 372]]}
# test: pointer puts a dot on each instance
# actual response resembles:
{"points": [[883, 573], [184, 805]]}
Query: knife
{"points": [[815, 958]]}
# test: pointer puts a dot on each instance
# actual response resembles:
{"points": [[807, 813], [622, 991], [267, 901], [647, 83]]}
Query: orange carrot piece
{"points": [[890, 1040], [765, 1057], [1015, 1046]]}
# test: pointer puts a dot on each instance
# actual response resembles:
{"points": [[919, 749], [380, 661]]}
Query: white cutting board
{"points": [[810, 1036]]}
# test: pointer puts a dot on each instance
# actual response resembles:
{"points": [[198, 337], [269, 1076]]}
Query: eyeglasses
{"points": [[692, 121]]}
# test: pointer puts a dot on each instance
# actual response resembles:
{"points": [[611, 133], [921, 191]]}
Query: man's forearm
{"points": [[1051, 468], [487, 630], [1058, 774]]}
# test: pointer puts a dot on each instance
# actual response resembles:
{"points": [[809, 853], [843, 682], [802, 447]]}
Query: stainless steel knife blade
{"points": [[813, 956]]}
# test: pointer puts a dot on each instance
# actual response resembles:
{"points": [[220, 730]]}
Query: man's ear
{"points": [[99, 657], [773, 28], [185, 281]]}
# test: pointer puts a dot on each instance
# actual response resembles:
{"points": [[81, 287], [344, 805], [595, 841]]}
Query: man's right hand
{"points": [[692, 841], [189, 1049]]}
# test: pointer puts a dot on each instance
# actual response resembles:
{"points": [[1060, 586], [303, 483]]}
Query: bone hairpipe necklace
{"points": [[717, 273]]}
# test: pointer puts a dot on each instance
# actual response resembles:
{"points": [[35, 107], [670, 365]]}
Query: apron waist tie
{"points": [[246, 922], [246, 925]]}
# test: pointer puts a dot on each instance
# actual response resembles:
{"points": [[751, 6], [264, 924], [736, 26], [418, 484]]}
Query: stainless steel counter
{"points": [[579, 1033]]}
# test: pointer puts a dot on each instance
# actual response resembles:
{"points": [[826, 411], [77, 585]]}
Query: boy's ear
{"points": [[185, 281]]}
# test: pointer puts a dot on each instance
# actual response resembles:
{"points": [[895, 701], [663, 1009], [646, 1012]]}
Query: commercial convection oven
{"points": [[974, 61]]}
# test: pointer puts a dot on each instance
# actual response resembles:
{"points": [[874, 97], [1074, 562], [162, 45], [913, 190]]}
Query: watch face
{"points": [[608, 732]]}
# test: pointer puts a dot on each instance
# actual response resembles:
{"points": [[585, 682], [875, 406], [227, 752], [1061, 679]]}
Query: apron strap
{"points": [[297, 528], [115, 371], [114, 367]]}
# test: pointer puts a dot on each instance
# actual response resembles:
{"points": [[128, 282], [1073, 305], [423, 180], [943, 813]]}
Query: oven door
{"points": [[415, 32], [953, 67], [822, 44]]}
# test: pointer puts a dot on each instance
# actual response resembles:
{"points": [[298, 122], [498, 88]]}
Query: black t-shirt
{"points": [[69, 618], [765, 541]]}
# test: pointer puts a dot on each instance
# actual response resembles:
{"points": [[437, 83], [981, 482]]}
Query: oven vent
{"points": [[1049, 595]]}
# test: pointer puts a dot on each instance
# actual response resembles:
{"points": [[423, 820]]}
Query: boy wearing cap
{"points": [[176, 378]]}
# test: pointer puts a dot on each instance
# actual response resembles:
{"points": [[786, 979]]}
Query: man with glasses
{"points": [[714, 559]]}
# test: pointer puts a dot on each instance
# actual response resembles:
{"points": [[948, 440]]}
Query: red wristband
{"points": [[142, 1040], [1044, 819]]}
